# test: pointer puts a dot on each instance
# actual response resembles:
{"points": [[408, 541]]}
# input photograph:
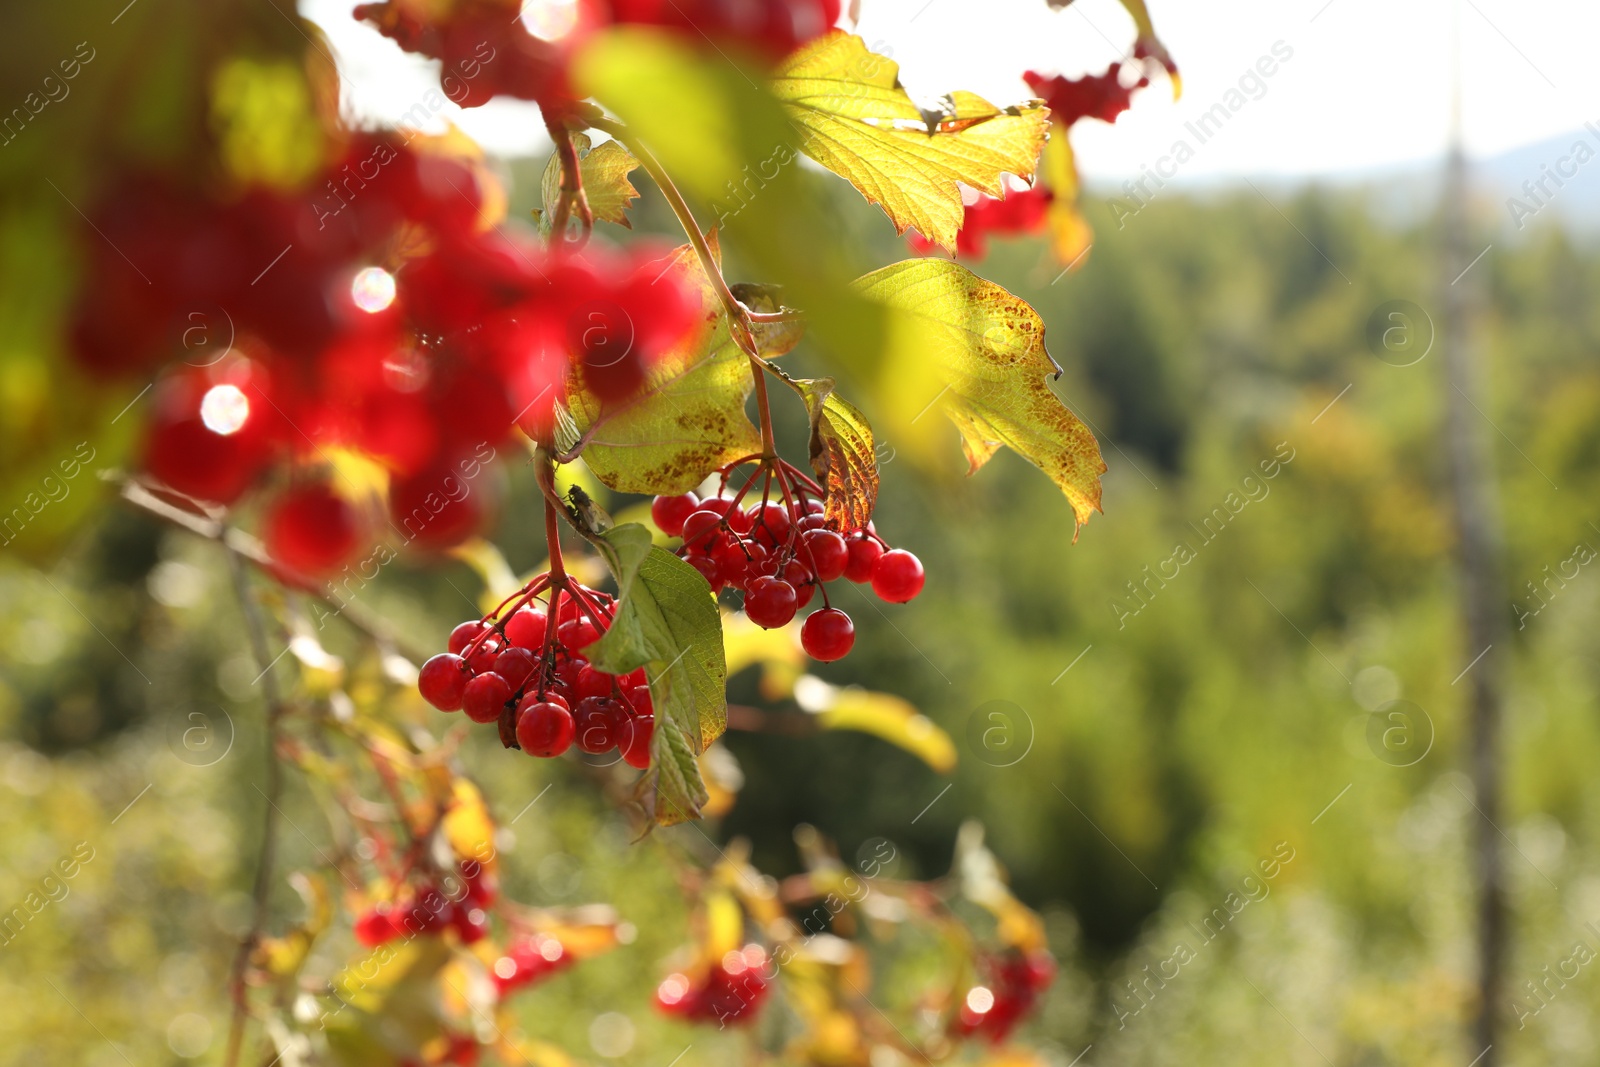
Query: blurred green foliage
{"points": [[1171, 751]]}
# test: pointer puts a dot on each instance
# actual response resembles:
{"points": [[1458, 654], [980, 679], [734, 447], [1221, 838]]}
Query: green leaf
{"points": [[857, 120], [843, 453], [687, 421], [604, 171], [983, 350], [667, 622]]}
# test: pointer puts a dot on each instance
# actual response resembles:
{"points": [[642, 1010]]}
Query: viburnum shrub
{"points": [[338, 355]]}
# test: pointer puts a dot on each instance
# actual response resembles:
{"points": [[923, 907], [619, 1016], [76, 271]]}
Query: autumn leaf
{"points": [[883, 715], [843, 453], [854, 118], [667, 623], [983, 350], [688, 419], [1071, 237], [604, 171]]}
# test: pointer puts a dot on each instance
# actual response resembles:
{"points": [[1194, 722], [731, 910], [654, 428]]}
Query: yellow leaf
{"points": [[1070, 234], [979, 353], [468, 826], [880, 714], [854, 118], [604, 171], [745, 645]]}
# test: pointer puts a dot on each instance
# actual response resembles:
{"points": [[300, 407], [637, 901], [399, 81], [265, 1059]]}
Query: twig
{"points": [[243, 545], [269, 831], [571, 184]]}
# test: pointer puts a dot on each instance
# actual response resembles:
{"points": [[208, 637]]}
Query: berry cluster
{"points": [[368, 311], [501, 50], [531, 677], [529, 960], [1020, 211], [1016, 980], [731, 990], [427, 908], [780, 555]]}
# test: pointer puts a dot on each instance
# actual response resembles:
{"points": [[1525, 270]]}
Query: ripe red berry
{"points": [[485, 697], [864, 554], [525, 628], [483, 657], [443, 681], [636, 744], [897, 576], [799, 575], [639, 699], [594, 723], [826, 553], [699, 531], [463, 635], [770, 523], [593, 683], [516, 666], [668, 512], [312, 530], [544, 728], [577, 634], [740, 561], [770, 603], [710, 570], [374, 927], [827, 635]]}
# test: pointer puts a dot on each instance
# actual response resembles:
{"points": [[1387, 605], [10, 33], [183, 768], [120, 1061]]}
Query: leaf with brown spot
{"points": [[843, 453], [983, 349]]}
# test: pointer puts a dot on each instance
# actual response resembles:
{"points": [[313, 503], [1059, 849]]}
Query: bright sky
{"points": [[1368, 83]]}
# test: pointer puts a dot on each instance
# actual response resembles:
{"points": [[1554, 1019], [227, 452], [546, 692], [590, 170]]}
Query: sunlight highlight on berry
{"points": [[550, 20], [224, 409], [372, 289]]}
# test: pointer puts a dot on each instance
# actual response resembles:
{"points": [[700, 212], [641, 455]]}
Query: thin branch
{"points": [[247, 547], [274, 790], [571, 184], [738, 314]]}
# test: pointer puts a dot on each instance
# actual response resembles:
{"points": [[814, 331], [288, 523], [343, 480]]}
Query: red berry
{"points": [[639, 700], [864, 554], [741, 561], [577, 634], [483, 657], [544, 728], [668, 512], [463, 635], [699, 531], [770, 603], [593, 722], [771, 523], [710, 570], [827, 635], [443, 681], [593, 683], [312, 530], [526, 627], [799, 576], [826, 552], [373, 928], [636, 743], [485, 697], [516, 666], [897, 576]]}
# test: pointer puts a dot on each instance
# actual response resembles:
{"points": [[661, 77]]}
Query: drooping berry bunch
{"points": [[529, 960], [1015, 982], [421, 906], [517, 49], [729, 990], [780, 552], [518, 669]]}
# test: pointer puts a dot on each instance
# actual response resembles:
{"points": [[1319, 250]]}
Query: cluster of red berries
{"points": [[1020, 211], [781, 555], [530, 676], [1016, 980], [426, 908], [490, 47], [731, 990], [528, 960], [367, 311]]}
